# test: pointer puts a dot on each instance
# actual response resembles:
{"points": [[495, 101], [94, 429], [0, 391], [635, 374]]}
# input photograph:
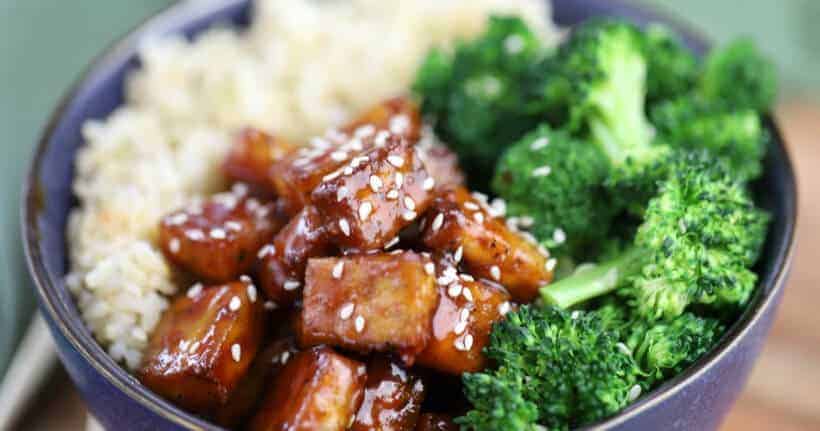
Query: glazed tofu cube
{"points": [[398, 115], [281, 264], [369, 303], [442, 164], [318, 389], [466, 311], [460, 224], [392, 398], [217, 240], [386, 189], [203, 346], [249, 391], [252, 156], [436, 422]]}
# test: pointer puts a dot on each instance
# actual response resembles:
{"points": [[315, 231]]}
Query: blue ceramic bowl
{"points": [[698, 399]]}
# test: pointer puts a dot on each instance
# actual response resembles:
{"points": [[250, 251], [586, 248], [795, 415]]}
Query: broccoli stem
{"points": [[593, 282]]}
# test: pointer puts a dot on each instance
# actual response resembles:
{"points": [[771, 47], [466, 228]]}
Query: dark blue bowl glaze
{"points": [[698, 399]]}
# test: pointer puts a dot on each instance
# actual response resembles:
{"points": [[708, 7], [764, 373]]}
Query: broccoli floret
{"points": [[734, 135], [672, 68], [569, 365], [664, 349], [740, 76], [476, 95], [498, 404], [699, 237], [557, 180]]}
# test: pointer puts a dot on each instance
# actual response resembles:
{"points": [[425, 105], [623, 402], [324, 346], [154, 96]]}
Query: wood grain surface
{"points": [[784, 391]]}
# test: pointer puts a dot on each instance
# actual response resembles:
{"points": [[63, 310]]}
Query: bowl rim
{"points": [[95, 356]]}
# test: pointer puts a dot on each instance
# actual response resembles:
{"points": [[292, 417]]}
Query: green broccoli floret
{"points": [[498, 404], [557, 180], [699, 237], [569, 365], [734, 135], [672, 69], [740, 76], [476, 95], [664, 349]]}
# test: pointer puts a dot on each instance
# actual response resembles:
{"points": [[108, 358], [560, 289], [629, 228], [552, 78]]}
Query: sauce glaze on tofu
{"points": [[392, 398], [252, 156]]}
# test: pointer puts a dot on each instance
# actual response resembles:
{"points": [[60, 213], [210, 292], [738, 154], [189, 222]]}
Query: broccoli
{"points": [[570, 366], [739, 76], [672, 70], [737, 135], [698, 238], [665, 349], [476, 96], [558, 181]]}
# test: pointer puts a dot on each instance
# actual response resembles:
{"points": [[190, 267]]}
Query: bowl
{"points": [[698, 399]]}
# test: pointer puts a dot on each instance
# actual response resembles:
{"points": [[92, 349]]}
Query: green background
{"points": [[45, 44]]}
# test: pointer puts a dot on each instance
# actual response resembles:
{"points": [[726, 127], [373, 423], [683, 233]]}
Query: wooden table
{"points": [[784, 391]]}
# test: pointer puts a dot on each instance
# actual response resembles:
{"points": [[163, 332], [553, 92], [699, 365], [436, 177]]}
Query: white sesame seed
{"points": [[347, 170], [550, 265], [183, 344], [495, 272], [393, 194], [467, 277], [428, 183], [454, 290], [430, 268], [559, 236], [481, 197], [543, 250], [338, 269], [468, 342], [375, 183], [291, 285], [341, 193], [459, 344], [459, 327], [173, 245], [358, 161], [236, 352], [445, 280], [526, 221], [467, 294], [396, 161], [195, 234], [437, 222], [539, 143], [504, 308], [450, 272], [364, 131], [193, 347], [233, 225], [268, 249], [195, 290], [392, 242], [347, 310], [409, 203], [530, 238], [344, 226], [217, 233], [339, 156], [235, 303], [409, 215], [575, 314], [356, 144], [541, 171], [464, 315], [472, 206], [359, 323], [498, 208], [251, 204], [381, 138], [513, 44], [459, 252], [252, 292], [399, 123], [270, 305], [399, 180], [623, 348], [365, 208], [634, 393], [177, 219], [478, 217], [283, 358], [331, 176]]}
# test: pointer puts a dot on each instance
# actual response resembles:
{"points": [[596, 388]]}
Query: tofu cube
{"points": [[441, 163], [318, 389], [203, 346], [392, 398], [252, 156]]}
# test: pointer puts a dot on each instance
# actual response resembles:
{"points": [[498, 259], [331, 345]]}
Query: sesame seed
{"points": [[543, 250], [399, 123], [409, 215], [193, 347], [471, 206], [454, 290], [236, 352], [195, 290], [291, 285], [331, 176], [495, 272], [541, 171], [338, 269], [459, 252], [430, 268], [450, 272], [375, 183], [341, 192], [251, 204], [429, 183], [437, 222], [468, 342], [399, 180], [478, 217], [347, 310], [365, 208], [559, 236], [183, 345], [445, 279], [347, 170], [233, 225], [177, 218], [459, 344], [498, 208], [195, 234], [396, 161], [359, 323], [575, 314], [392, 242], [460, 326], [283, 358], [217, 233], [526, 221], [504, 308], [464, 315], [356, 144], [393, 194], [409, 203], [381, 138], [634, 393], [395, 252], [235, 303], [467, 294], [623, 348], [550, 265], [173, 245], [344, 226], [530, 238], [364, 131], [252, 292], [358, 161], [467, 277], [481, 197], [539, 143], [339, 156], [268, 249], [514, 44], [270, 305]]}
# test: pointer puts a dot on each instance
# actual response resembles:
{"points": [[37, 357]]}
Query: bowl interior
{"points": [[48, 196]]}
